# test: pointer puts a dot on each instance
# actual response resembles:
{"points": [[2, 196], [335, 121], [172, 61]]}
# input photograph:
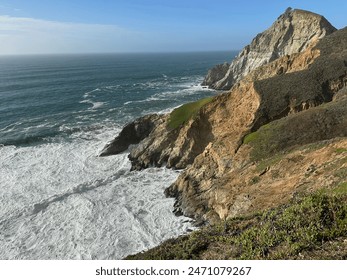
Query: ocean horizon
{"points": [[59, 200]]}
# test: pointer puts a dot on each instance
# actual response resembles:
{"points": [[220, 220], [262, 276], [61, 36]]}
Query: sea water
{"points": [[58, 199]]}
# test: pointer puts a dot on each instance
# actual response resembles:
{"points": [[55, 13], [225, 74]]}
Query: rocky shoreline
{"points": [[248, 148]]}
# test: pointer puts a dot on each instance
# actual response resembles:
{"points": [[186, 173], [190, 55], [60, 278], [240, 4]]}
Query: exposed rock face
{"points": [[217, 73], [175, 148], [253, 103], [132, 133], [292, 32], [259, 176], [295, 100], [178, 148]]}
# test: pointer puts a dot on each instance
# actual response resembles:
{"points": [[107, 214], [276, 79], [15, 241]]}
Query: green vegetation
{"points": [[340, 150], [264, 141], [310, 227], [251, 137], [181, 114], [341, 189]]}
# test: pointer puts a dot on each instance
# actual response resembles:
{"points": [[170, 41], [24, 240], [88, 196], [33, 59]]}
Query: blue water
{"points": [[58, 199], [47, 96]]}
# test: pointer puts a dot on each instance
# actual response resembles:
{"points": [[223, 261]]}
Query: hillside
{"points": [[279, 133]]}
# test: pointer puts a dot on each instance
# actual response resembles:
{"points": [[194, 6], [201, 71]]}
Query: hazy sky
{"points": [[85, 26]]}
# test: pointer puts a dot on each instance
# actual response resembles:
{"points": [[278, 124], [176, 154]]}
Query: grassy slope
{"points": [[323, 122], [183, 113], [310, 227]]}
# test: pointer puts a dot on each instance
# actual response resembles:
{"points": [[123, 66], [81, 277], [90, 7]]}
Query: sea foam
{"points": [[61, 201]]}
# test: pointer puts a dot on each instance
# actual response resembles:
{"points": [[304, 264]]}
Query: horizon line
{"points": [[117, 53]]}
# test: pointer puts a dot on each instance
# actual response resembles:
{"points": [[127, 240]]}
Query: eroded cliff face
{"points": [[284, 157], [291, 33], [210, 188], [177, 148], [241, 152]]}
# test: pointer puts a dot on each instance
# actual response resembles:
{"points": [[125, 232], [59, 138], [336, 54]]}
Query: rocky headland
{"points": [[278, 132], [292, 32]]}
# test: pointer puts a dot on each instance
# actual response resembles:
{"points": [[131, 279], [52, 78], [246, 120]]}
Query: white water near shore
{"points": [[70, 204], [58, 199]]}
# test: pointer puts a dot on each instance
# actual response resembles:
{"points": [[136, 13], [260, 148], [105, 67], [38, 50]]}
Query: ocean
{"points": [[58, 199]]}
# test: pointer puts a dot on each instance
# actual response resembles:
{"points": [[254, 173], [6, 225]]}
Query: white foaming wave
{"points": [[88, 93], [149, 99], [61, 201], [188, 81], [42, 125], [191, 87], [81, 127], [11, 127], [95, 104], [165, 81], [186, 91], [164, 111], [112, 87], [154, 84]]}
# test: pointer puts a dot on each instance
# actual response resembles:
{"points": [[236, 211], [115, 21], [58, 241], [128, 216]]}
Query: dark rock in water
{"points": [[293, 32], [132, 133]]}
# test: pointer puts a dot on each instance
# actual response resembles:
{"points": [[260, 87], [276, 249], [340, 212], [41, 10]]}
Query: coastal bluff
{"points": [[292, 32], [280, 129]]}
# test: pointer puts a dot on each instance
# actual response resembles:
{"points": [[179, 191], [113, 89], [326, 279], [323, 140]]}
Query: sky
{"points": [[107, 26]]}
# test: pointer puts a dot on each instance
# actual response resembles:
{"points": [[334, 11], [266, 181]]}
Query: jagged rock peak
{"points": [[292, 32]]}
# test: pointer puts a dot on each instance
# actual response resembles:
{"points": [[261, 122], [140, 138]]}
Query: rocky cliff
{"points": [[280, 130], [291, 33], [280, 106]]}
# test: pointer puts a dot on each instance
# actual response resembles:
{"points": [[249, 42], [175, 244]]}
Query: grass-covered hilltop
{"points": [[264, 162]]}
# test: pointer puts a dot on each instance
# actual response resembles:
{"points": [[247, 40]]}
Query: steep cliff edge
{"points": [[249, 106], [291, 33], [295, 100]]}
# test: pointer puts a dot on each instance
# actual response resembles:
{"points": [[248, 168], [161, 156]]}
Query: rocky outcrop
{"points": [[132, 133], [295, 100], [174, 148], [267, 170], [177, 148], [292, 32], [252, 104], [216, 73]]}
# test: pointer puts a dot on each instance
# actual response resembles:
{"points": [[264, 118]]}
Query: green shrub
{"points": [[301, 226]]}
